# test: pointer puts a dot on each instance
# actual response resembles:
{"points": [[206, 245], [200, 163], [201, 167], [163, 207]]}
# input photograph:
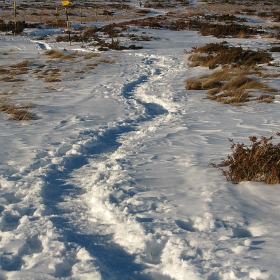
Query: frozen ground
{"points": [[112, 180]]}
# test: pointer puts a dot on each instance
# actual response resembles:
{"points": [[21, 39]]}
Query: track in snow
{"points": [[61, 201]]}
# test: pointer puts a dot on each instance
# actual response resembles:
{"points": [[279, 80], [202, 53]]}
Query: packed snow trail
{"points": [[116, 184], [47, 178]]}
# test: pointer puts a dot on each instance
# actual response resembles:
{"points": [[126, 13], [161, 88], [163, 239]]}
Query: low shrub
{"points": [[260, 162], [214, 54], [275, 49], [223, 30], [20, 26]]}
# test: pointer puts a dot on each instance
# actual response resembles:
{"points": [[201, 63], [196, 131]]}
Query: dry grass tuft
{"points": [[236, 81], [260, 162], [226, 74], [50, 88], [50, 75], [193, 84], [214, 54], [52, 79], [10, 79], [22, 64], [237, 90], [97, 63], [19, 113], [54, 54], [91, 55], [266, 98], [242, 82]]}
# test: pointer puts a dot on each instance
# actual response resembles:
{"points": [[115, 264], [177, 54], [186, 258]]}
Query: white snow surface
{"points": [[112, 181]]}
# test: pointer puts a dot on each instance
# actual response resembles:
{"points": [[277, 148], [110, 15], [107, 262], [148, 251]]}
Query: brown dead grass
{"points": [[10, 79], [91, 55], [213, 55], [226, 74], [266, 98], [236, 83], [52, 80], [22, 64], [54, 54], [52, 75], [97, 63], [258, 162], [50, 88], [193, 84], [19, 113], [235, 90], [243, 83]]}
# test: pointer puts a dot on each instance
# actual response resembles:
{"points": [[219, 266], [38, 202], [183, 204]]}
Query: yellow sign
{"points": [[65, 3]]}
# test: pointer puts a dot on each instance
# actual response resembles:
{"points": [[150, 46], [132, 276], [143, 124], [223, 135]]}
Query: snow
{"points": [[112, 180]]}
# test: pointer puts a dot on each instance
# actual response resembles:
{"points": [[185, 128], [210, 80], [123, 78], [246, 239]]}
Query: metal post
{"points": [[56, 15], [68, 27], [15, 17]]}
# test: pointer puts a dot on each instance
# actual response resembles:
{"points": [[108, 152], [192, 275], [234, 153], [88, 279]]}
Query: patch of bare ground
{"points": [[53, 14]]}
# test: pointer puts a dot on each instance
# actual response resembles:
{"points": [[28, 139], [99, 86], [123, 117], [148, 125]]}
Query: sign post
{"points": [[95, 14], [15, 17], [56, 17], [65, 4]]}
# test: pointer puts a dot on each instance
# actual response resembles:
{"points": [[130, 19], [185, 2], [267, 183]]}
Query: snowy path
{"points": [[51, 178], [118, 184]]}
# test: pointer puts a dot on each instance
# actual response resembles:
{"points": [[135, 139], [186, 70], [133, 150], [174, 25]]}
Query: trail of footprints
{"points": [[13, 247], [16, 247]]}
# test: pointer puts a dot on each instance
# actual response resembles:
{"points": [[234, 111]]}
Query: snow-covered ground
{"points": [[112, 180]]}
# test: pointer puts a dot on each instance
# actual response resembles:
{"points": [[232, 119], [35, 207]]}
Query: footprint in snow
{"points": [[9, 221], [185, 225], [241, 233]]}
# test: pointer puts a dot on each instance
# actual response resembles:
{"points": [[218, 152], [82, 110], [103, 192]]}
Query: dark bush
{"points": [[260, 162], [222, 54], [10, 26], [274, 49]]}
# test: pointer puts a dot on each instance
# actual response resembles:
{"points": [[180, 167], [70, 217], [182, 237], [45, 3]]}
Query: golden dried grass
{"points": [[10, 79], [55, 54], [19, 113], [236, 82], [91, 55], [243, 82], [52, 79], [22, 64], [193, 84], [267, 98]]}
